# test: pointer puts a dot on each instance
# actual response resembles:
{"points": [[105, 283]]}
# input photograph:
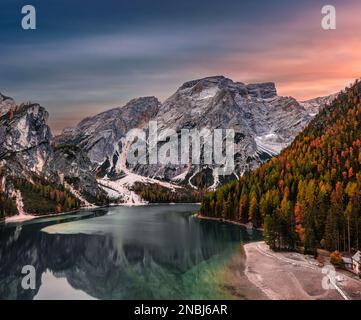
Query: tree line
{"points": [[155, 193]]}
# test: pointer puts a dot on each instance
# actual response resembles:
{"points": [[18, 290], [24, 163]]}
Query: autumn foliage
{"points": [[336, 259], [310, 195]]}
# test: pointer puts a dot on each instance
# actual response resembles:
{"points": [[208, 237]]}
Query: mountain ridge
{"points": [[219, 102], [91, 157]]}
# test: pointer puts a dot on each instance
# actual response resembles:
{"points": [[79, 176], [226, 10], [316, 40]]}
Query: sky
{"points": [[89, 56]]}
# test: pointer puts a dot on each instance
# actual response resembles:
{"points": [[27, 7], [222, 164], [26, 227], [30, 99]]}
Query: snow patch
{"points": [[207, 93], [119, 190]]}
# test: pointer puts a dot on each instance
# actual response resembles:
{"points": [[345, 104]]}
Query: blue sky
{"points": [[89, 56]]}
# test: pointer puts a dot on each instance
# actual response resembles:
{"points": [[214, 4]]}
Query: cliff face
{"points": [[27, 153], [25, 138]]}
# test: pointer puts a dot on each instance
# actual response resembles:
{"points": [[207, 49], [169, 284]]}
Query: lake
{"points": [[143, 252]]}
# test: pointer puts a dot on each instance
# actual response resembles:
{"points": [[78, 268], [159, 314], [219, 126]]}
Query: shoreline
{"points": [[294, 276], [201, 217], [28, 217], [234, 281]]}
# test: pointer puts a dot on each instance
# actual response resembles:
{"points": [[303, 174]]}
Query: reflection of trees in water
{"points": [[106, 267]]}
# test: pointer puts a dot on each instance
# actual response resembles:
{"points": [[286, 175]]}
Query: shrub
{"points": [[336, 259]]}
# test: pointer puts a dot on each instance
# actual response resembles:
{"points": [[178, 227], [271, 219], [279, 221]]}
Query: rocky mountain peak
{"points": [[26, 126], [143, 101], [264, 123], [25, 138], [208, 87], [127, 115], [99, 136], [212, 80]]}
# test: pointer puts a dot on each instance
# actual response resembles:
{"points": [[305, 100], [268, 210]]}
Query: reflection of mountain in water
{"points": [[108, 266]]}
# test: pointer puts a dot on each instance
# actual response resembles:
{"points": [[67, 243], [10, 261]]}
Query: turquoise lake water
{"points": [[145, 252]]}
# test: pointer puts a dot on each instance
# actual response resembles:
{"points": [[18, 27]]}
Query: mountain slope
{"points": [[310, 195]]}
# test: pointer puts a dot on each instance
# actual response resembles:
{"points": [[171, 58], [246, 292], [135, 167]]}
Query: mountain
{"points": [[101, 138], [24, 136], [264, 123], [310, 195], [88, 165], [32, 172]]}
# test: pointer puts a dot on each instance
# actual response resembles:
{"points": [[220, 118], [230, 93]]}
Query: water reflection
{"points": [[155, 252]]}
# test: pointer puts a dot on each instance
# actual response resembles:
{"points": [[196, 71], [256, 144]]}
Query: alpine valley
{"points": [[86, 166]]}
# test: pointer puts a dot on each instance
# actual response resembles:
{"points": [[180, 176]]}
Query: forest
{"points": [[155, 193], [40, 197], [309, 196]]}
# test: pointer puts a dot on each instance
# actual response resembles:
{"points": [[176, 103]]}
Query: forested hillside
{"points": [[310, 195], [40, 197]]}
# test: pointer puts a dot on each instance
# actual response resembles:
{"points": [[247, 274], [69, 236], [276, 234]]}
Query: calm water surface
{"points": [[147, 252]]}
